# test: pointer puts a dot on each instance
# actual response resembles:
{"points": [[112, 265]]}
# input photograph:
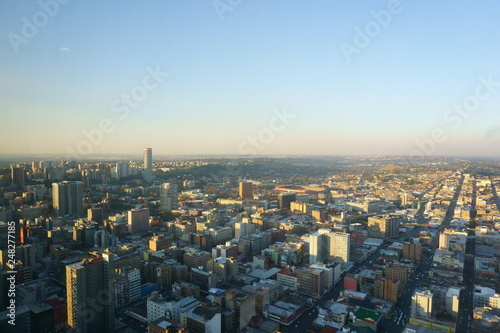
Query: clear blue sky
{"points": [[226, 76]]}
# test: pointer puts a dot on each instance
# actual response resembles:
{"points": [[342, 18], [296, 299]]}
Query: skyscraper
{"points": [[67, 198], [246, 190], [340, 243], [89, 289], [319, 246], [148, 164], [17, 174], [168, 197], [284, 200], [326, 245], [138, 220]]}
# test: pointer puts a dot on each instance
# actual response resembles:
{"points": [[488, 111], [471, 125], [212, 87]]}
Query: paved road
{"points": [[404, 303], [466, 295]]}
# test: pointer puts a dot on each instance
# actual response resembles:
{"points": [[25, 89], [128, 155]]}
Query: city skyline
{"points": [[251, 78]]}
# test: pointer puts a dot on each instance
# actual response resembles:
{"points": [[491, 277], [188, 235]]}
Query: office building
{"points": [[311, 281], [138, 220], [319, 246], [452, 301], [397, 273], [413, 250], [383, 226], [387, 289], [202, 319], [326, 246], [67, 198], [148, 164], [4, 234], [95, 214], [17, 174], [195, 258], [285, 199], [90, 295], [160, 242], [421, 304], [168, 197], [246, 190], [243, 303], [340, 244], [122, 170], [444, 241]]}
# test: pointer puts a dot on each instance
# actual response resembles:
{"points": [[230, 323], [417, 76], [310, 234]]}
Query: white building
{"points": [[421, 304], [484, 296], [134, 283], [202, 319], [340, 244], [453, 301]]}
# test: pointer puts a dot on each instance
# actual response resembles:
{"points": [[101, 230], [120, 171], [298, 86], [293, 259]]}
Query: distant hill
{"points": [[390, 167]]}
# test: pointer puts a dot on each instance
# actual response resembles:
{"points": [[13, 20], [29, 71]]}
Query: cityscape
{"points": [[324, 244], [236, 166]]}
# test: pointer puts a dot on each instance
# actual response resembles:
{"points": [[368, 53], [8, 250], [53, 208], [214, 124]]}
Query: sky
{"points": [[259, 77]]}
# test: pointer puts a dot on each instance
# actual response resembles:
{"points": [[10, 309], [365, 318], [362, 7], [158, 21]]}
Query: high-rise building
{"points": [[404, 199], [246, 190], [452, 301], [383, 226], [148, 164], [421, 304], [95, 214], [387, 289], [195, 258], [285, 199], [444, 241], [138, 220], [311, 281], [413, 250], [4, 234], [17, 174], [319, 246], [122, 170], [397, 273], [90, 293], [340, 244], [67, 198], [168, 197], [160, 242], [326, 245]]}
